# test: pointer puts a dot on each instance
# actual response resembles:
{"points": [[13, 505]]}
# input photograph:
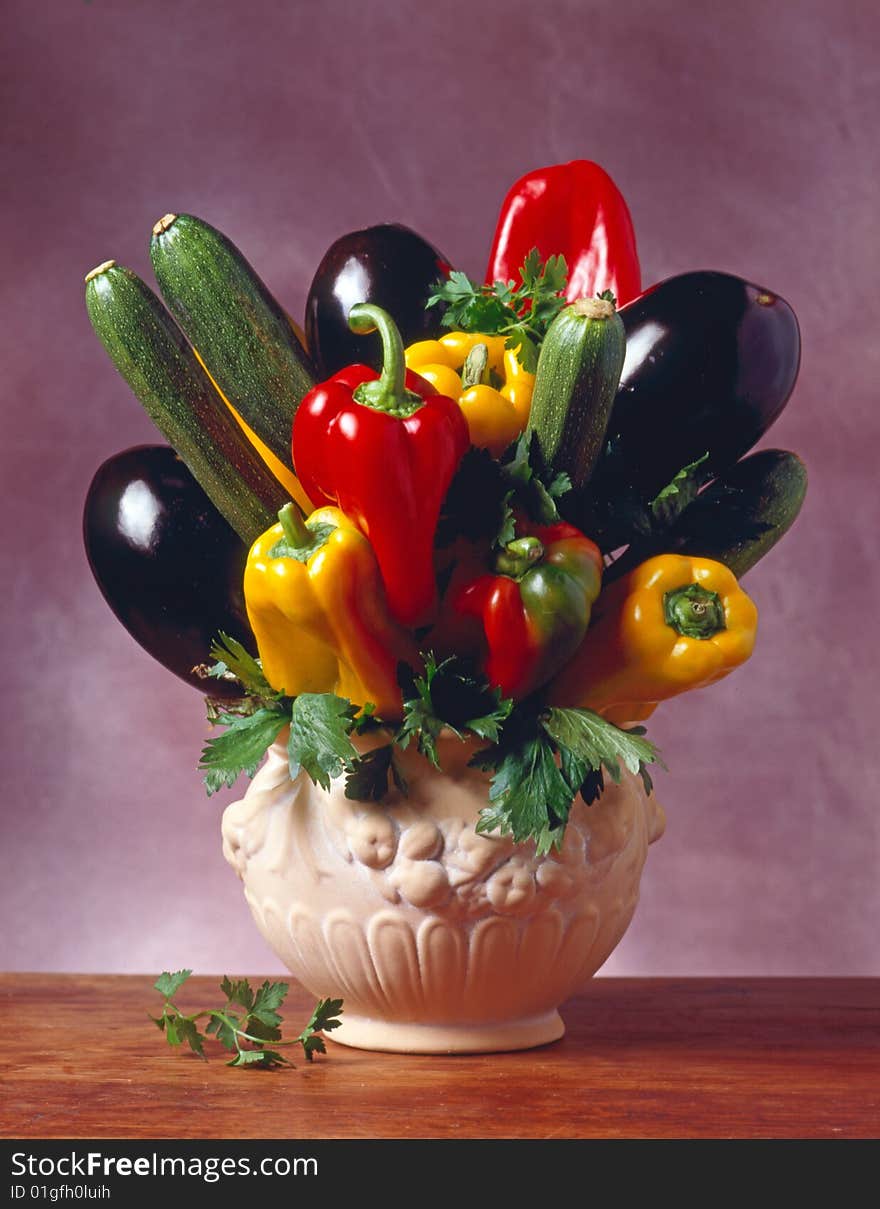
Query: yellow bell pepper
{"points": [[674, 623], [316, 605], [495, 415]]}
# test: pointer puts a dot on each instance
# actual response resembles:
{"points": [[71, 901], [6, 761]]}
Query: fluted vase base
{"points": [[362, 1032]]}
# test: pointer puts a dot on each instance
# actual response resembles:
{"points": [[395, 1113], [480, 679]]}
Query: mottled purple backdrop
{"points": [[743, 136]]}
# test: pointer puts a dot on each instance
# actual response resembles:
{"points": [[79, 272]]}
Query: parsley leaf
{"points": [[241, 747], [474, 504], [546, 497], [238, 992], [320, 726], [258, 1057], [575, 770], [593, 785], [268, 998], [677, 495], [544, 758], [367, 778], [529, 486], [449, 695], [529, 798], [420, 717], [599, 743], [485, 493], [471, 308], [366, 721], [520, 313], [233, 659], [623, 516], [169, 984], [507, 529], [324, 1018], [489, 725], [188, 1031]]}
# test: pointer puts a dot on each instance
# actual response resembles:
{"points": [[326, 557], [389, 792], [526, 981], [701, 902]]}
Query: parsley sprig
{"points": [[233, 661], [540, 758], [486, 492], [625, 517], [678, 494], [522, 313], [546, 757], [320, 725], [319, 740], [448, 696], [246, 1024]]}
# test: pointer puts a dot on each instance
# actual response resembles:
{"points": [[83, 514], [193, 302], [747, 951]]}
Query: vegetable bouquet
{"points": [[516, 510]]}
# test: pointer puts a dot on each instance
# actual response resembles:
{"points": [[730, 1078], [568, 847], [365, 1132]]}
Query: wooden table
{"points": [[642, 1058]]}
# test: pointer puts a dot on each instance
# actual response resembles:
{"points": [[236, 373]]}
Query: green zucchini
{"points": [[151, 353], [240, 332], [575, 385], [737, 519]]}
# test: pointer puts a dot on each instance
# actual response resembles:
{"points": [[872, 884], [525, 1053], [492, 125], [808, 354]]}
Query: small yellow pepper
{"points": [[672, 624], [316, 605], [496, 415]]}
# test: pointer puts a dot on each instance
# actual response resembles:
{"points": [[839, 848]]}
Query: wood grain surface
{"points": [[642, 1058]]}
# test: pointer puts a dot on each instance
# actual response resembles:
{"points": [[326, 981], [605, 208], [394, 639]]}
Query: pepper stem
{"points": [[518, 556], [293, 523], [474, 366], [388, 393], [693, 611]]}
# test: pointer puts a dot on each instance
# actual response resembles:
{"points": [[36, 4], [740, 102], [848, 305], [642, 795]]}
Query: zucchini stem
{"points": [[164, 223], [593, 308], [102, 268]]}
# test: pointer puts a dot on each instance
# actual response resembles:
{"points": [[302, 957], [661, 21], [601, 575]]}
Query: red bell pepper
{"points": [[574, 210], [384, 449], [532, 609]]}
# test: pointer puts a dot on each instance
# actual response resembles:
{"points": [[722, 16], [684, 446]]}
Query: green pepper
{"points": [[533, 607]]}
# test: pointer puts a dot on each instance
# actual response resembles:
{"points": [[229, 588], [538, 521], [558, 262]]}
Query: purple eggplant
{"points": [[710, 363], [389, 265], [167, 563]]}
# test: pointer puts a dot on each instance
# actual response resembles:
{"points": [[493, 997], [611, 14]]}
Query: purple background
{"points": [[744, 138]]}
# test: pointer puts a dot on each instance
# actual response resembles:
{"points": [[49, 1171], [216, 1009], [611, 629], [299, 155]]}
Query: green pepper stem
{"points": [[474, 366], [293, 523], [518, 556], [693, 611], [388, 393]]}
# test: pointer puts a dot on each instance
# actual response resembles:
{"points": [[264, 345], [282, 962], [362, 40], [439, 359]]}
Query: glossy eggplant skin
{"points": [[710, 363], [389, 265], [167, 563]]}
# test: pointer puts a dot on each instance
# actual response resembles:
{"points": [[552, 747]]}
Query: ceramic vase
{"points": [[437, 938]]}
